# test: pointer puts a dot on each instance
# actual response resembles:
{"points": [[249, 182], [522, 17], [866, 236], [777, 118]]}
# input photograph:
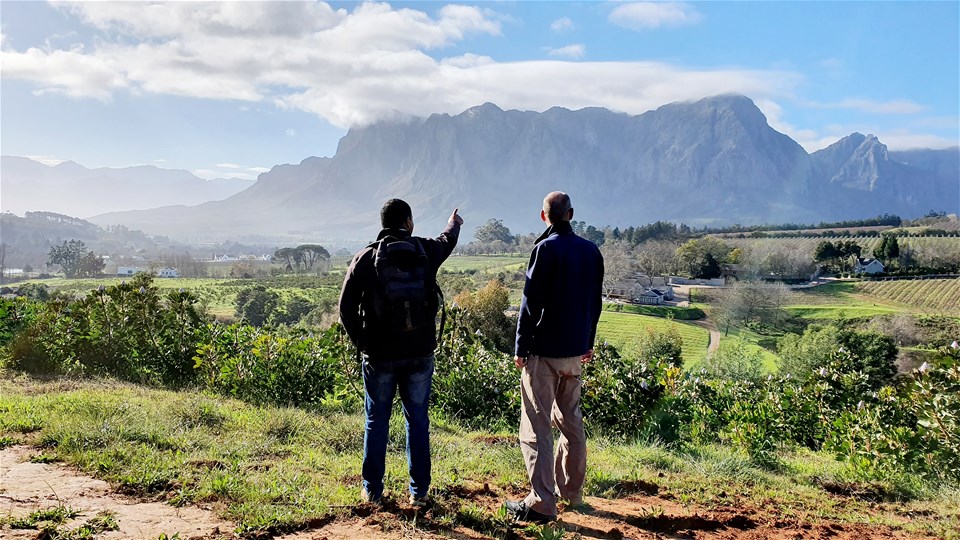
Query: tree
{"points": [[888, 249], [256, 304], [3, 260], [734, 360], [285, 255], [616, 264], [90, 265], [594, 235], [485, 311], [703, 257], [665, 346], [875, 353], [706, 268], [75, 260], [656, 257], [826, 252], [848, 251], [310, 254], [750, 301], [802, 355], [493, 231]]}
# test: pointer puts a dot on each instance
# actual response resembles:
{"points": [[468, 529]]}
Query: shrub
{"points": [[128, 330], [484, 311], [477, 385], [801, 356], [282, 367], [621, 395], [734, 360]]}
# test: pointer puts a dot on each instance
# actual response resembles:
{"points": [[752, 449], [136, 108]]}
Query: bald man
{"points": [[556, 329]]}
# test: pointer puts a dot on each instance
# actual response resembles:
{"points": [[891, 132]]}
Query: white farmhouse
{"points": [[127, 271], [867, 266], [168, 272]]}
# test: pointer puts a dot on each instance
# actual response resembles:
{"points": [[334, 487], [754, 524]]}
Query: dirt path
{"points": [[714, 332], [26, 487]]}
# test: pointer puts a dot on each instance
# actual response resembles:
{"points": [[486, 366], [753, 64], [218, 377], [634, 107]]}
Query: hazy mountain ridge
{"points": [[714, 161], [70, 188]]}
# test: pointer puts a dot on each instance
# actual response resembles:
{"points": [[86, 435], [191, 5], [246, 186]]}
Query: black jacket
{"points": [[356, 299], [562, 295]]}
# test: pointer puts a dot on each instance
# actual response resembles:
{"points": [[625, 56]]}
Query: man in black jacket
{"points": [[388, 306], [559, 312]]}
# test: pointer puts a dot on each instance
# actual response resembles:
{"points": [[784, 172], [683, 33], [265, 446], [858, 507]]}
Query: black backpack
{"points": [[408, 299]]}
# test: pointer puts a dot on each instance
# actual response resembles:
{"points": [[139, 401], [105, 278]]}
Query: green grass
{"points": [[279, 469], [217, 295], [847, 311], [623, 329], [854, 299], [678, 313], [755, 341], [490, 264]]}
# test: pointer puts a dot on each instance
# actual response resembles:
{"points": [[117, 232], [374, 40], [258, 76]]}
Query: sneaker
{"points": [[521, 512], [422, 503], [367, 498]]}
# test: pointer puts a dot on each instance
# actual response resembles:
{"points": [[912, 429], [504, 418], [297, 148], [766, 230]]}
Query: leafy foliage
{"points": [[127, 330], [484, 312], [75, 259]]}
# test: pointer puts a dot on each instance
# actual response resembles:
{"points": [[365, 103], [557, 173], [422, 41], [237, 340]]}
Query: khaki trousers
{"points": [[550, 394]]}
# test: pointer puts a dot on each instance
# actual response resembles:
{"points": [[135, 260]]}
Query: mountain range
{"points": [[72, 189], [711, 162]]}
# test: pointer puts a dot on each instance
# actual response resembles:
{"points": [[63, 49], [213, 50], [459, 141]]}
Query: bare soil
{"points": [[26, 487], [640, 514]]}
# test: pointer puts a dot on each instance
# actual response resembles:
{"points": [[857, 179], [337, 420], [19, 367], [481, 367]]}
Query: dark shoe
{"points": [[521, 512]]}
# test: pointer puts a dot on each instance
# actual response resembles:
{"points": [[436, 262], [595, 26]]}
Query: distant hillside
{"points": [[712, 162], [29, 238], [72, 189]]}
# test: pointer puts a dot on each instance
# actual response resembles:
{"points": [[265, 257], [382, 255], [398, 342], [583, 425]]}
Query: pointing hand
{"points": [[455, 217]]}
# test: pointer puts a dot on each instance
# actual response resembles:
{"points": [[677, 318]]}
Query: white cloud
{"points": [[258, 169], [899, 106], [74, 72], [49, 161], [210, 174], [229, 166], [291, 132], [906, 140], [467, 60], [206, 174], [570, 51], [652, 15], [562, 24], [355, 67]]}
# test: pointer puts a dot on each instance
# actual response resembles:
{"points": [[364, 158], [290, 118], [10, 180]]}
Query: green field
{"points": [[670, 312], [485, 263], [933, 295], [217, 295], [623, 329], [854, 299]]}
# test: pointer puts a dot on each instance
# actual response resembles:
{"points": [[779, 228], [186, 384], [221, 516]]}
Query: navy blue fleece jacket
{"points": [[561, 300]]}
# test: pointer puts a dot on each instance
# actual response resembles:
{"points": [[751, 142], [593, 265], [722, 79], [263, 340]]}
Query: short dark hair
{"points": [[557, 206], [394, 214]]}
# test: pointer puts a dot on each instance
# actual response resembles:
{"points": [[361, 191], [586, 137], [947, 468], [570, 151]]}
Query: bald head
{"points": [[556, 207]]}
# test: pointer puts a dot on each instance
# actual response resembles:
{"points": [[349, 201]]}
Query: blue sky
{"points": [[231, 89]]}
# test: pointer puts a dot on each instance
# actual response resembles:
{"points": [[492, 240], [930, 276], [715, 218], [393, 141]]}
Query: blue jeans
{"points": [[413, 376]]}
